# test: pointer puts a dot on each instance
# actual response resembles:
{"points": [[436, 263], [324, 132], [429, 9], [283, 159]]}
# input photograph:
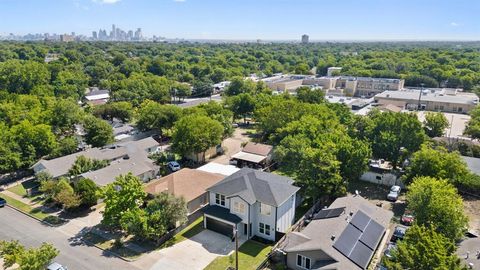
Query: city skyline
{"points": [[249, 19]]}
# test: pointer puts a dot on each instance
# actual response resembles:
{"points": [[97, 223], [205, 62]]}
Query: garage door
{"points": [[220, 227]]}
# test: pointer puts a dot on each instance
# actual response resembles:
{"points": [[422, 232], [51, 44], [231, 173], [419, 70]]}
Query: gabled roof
{"points": [[186, 183], [257, 149], [253, 185], [320, 235]]}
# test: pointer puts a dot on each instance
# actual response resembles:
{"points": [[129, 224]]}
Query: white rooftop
{"points": [[222, 169], [430, 95]]}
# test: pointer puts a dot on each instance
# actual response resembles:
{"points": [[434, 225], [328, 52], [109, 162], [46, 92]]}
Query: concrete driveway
{"points": [[194, 253]]}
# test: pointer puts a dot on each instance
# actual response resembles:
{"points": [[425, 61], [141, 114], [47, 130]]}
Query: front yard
{"points": [[251, 254], [32, 211]]}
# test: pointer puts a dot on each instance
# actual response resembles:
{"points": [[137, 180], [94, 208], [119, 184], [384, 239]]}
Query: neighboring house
{"points": [[256, 203], [254, 155], [191, 184], [125, 157], [381, 172], [345, 235], [95, 96]]}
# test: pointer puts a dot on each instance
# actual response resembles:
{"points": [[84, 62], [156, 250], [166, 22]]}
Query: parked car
{"points": [[399, 233], [56, 266], [3, 202], [394, 193], [173, 166], [388, 251], [407, 219], [235, 125]]}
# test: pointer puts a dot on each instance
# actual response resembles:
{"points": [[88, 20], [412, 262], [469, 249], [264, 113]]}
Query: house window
{"points": [[378, 177], [265, 209], [264, 228], [239, 207], [220, 199], [303, 261]]}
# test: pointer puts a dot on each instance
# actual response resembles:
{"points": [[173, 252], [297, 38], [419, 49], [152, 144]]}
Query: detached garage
{"points": [[220, 220]]}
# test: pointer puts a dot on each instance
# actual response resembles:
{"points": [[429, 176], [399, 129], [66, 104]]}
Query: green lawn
{"points": [[191, 230], [36, 212], [19, 190], [108, 244], [251, 254]]}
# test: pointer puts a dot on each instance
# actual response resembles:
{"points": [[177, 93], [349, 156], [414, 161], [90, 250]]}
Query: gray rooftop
{"points": [[59, 166], [253, 185], [473, 164], [436, 96], [317, 235]]}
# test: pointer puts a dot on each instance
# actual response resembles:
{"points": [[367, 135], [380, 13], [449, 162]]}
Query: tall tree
{"points": [[27, 259], [241, 105], [436, 203], [424, 248], [98, 132], [123, 195], [435, 124], [194, 134], [438, 163]]}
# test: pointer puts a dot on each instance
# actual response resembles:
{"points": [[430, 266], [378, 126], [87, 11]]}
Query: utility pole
{"points": [[235, 233]]}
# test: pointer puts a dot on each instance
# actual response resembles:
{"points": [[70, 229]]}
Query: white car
{"points": [[394, 193], [56, 266]]}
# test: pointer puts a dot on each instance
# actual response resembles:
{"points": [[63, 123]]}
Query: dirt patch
{"points": [[471, 206]]}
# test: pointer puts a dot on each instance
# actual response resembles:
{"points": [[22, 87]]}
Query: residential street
{"points": [[74, 255]]}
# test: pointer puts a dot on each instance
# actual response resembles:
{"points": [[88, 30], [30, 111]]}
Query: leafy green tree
{"points": [[88, 192], [65, 114], [182, 90], [473, 126], [154, 116], [241, 105], [71, 84], [66, 146], [123, 195], [121, 110], [37, 258], [22, 77], [216, 111], [65, 195], [437, 163], [28, 259], [435, 124], [10, 252], [306, 94], [202, 88], [195, 134], [238, 85], [393, 133], [84, 164], [98, 132], [424, 248], [436, 203]]}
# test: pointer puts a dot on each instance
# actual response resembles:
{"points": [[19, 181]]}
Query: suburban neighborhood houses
{"points": [[217, 136]]}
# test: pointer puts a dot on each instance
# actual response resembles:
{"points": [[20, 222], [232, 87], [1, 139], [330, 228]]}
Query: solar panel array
{"points": [[360, 239], [329, 213]]}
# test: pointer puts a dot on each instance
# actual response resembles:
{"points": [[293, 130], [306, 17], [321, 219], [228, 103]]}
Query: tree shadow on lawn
{"points": [[368, 190], [252, 248]]}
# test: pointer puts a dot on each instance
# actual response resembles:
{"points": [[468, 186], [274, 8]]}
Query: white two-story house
{"points": [[255, 203]]}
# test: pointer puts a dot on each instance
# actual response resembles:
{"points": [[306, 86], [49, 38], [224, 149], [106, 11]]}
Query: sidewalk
{"points": [[20, 198]]}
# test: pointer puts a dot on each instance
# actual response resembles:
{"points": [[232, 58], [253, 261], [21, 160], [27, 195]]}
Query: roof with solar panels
{"points": [[345, 235]]}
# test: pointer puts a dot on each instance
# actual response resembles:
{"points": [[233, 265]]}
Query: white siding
{"points": [[270, 220], [212, 200], [387, 179], [286, 215], [243, 216]]}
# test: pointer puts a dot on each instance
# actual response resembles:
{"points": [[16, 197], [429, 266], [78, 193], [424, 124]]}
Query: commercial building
{"points": [[305, 39], [443, 100], [331, 71], [286, 83]]}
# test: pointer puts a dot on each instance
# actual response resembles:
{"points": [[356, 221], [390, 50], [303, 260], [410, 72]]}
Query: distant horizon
{"points": [[269, 20]]}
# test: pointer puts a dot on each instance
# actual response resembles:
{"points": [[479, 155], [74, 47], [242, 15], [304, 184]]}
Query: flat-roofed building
{"points": [[443, 100]]}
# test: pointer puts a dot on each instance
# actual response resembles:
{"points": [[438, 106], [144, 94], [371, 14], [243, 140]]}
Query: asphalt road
{"points": [[74, 255]]}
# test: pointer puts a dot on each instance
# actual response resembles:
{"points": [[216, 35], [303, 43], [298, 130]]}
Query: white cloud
{"points": [[454, 24], [179, 1], [106, 1]]}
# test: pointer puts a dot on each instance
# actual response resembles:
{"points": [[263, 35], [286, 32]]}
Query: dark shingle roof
{"points": [[252, 185], [221, 213]]}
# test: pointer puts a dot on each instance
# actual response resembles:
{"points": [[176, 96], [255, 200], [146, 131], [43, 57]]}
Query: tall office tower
{"points": [[94, 35], [138, 34], [114, 32], [130, 35], [304, 39]]}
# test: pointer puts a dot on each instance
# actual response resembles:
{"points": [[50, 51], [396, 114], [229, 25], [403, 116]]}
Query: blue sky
{"points": [[251, 19]]}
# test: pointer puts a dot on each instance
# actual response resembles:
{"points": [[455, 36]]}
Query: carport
{"points": [[220, 220]]}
